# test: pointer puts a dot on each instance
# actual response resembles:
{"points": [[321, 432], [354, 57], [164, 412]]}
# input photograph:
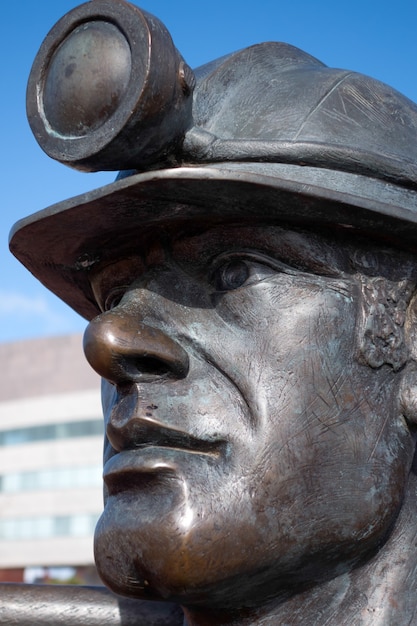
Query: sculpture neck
{"points": [[381, 592]]}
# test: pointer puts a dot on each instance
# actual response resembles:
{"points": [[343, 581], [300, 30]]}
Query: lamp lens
{"points": [[86, 79]]}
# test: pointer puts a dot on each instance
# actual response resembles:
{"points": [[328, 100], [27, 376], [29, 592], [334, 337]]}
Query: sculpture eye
{"points": [[235, 271], [231, 275], [114, 298]]}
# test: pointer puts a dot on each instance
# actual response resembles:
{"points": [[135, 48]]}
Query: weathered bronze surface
{"points": [[69, 605], [250, 291]]}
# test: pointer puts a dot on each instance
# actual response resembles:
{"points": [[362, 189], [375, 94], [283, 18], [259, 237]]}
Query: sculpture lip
{"points": [[148, 446], [129, 469], [139, 433]]}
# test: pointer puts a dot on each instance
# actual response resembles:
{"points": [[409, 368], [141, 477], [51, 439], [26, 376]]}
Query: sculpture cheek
{"points": [[246, 308]]}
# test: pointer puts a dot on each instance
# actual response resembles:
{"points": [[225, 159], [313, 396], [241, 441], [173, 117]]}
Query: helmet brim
{"points": [[61, 244]]}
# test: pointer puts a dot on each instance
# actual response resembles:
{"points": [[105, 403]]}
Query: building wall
{"points": [[50, 454]]}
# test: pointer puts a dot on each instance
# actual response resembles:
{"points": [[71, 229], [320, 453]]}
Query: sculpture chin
{"points": [[147, 547]]}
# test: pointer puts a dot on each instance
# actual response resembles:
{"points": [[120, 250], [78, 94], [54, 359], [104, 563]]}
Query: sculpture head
{"points": [[249, 291], [255, 437]]}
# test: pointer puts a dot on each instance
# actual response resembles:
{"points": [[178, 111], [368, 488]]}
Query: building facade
{"points": [[51, 435]]}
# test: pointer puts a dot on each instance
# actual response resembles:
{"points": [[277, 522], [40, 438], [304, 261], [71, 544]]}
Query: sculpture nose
{"points": [[123, 350]]}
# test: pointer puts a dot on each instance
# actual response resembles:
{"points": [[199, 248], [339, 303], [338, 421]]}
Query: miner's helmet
{"points": [[268, 133]]}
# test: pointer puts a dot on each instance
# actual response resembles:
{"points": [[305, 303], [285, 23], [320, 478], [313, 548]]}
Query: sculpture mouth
{"points": [[139, 432], [143, 448], [149, 462]]}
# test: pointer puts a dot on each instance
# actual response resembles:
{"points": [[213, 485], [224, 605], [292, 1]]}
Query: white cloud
{"points": [[19, 304], [31, 315]]}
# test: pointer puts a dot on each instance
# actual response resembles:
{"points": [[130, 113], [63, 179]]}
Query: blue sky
{"points": [[373, 37]]}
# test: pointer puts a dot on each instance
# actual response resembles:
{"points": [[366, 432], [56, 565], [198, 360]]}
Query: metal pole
{"points": [[71, 605]]}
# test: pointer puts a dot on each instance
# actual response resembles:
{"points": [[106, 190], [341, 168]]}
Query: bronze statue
{"points": [[249, 282]]}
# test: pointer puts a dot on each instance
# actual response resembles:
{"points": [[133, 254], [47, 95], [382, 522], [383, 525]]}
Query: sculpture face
{"points": [[247, 448]]}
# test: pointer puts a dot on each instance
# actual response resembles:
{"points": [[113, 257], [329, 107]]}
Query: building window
{"points": [[45, 432], [52, 478], [45, 527]]}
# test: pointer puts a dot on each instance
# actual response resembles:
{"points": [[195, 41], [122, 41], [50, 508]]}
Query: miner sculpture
{"points": [[249, 282]]}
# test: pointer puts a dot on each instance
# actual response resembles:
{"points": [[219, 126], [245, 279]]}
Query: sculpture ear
{"points": [[381, 332], [408, 393]]}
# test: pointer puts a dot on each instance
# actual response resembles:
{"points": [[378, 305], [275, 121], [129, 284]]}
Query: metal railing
{"points": [[71, 605]]}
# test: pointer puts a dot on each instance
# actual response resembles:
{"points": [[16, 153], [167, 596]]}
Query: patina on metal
{"points": [[249, 282]]}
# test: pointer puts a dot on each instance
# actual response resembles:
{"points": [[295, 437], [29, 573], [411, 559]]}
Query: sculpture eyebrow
{"points": [[255, 256], [315, 257], [114, 275], [303, 250]]}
